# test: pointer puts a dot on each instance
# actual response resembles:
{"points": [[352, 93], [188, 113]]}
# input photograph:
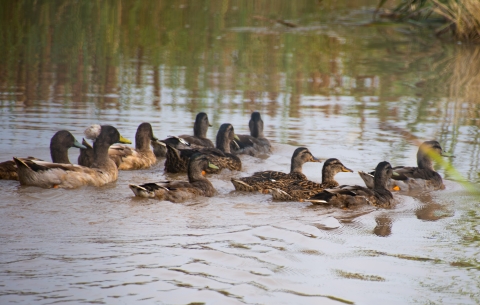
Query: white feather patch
{"points": [[93, 131]]}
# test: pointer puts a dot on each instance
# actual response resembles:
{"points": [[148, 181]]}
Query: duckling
{"points": [[177, 159], [350, 196], [260, 181], [198, 140], [177, 191], [125, 157], [59, 144], [255, 143], [53, 175], [286, 190], [411, 179]]}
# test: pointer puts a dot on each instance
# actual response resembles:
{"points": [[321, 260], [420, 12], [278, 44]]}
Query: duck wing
{"points": [[249, 145]]}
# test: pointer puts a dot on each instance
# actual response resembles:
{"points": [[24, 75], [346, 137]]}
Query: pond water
{"points": [[337, 83]]}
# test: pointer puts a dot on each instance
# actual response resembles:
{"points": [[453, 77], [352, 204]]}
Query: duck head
{"points": [[225, 135], [256, 125], [201, 125]]}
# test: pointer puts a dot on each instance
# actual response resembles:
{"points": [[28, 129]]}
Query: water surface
{"points": [[337, 83]]}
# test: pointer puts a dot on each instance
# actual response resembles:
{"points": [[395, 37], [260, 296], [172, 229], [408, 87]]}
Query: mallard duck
{"points": [[59, 145], [350, 196], [177, 191], [255, 143], [48, 175], [260, 181], [125, 157], [177, 159], [287, 190], [411, 179], [198, 140]]}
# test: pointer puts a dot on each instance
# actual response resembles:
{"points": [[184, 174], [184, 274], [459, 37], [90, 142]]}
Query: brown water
{"points": [[337, 83]]}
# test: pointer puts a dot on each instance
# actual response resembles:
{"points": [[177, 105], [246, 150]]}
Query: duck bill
{"points": [[236, 144], [78, 145], [124, 140], [212, 166], [394, 173], [314, 159], [346, 170], [236, 138]]}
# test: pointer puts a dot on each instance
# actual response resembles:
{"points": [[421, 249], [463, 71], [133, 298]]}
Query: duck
{"points": [[198, 140], [261, 181], [59, 144], [347, 196], [178, 191], [415, 179], [125, 157], [61, 175], [177, 159], [298, 190], [255, 143]]}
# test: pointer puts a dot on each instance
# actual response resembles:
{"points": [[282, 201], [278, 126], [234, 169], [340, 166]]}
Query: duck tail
{"points": [[367, 178], [278, 194], [241, 186], [316, 201], [140, 191]]}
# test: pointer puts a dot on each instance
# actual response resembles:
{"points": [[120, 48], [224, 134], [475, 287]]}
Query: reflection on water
{"points": [[384, 225], [336, 82]]}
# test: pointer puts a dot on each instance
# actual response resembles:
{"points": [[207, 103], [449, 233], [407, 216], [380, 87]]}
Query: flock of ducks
{"points": [[99, 163]]}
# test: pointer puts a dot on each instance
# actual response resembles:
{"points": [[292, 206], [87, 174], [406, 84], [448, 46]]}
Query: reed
{"points": [[460, 17]]}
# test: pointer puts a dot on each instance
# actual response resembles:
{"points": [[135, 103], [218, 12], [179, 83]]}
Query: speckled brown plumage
{"points": [[352, 196], [303, 189], [414, 179], [267, 179], [177, 191]]}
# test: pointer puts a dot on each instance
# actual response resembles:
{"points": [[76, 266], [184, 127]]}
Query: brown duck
{"points": [[53, 175], [286, 190], [255, 143], [415, 179], [126, 157], [351, 196], [59, 145], [177, 191], [177, 159], [260, 181], [198, 140]]}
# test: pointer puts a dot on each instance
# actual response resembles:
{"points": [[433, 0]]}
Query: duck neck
{"points": [[142, 142], [256, 129], [223, 143], [200, 130], [195, 175], [100, 153], [380, 182], [296, 166], [59, 153], [328, 177], [424, 162]]}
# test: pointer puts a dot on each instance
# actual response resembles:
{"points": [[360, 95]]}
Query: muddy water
{"points": [[336, 83]]}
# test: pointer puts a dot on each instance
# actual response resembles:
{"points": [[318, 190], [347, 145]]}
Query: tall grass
{"points": [[460, 17]]}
